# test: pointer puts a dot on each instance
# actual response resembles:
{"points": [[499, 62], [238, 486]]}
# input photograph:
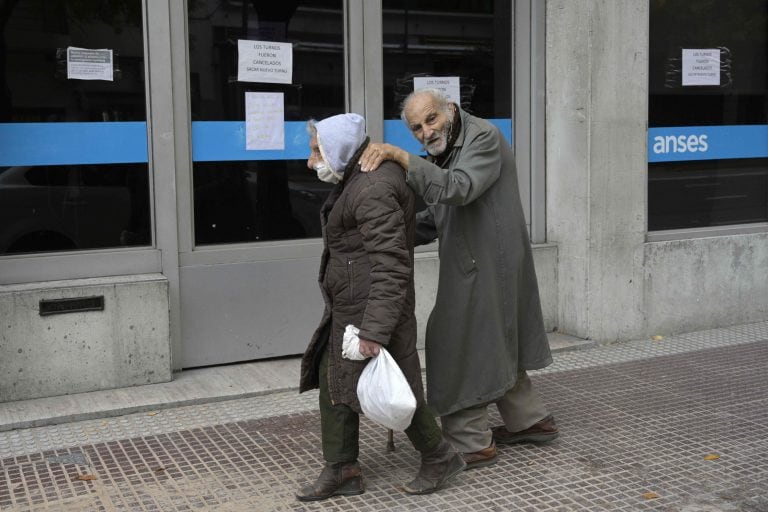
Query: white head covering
{"points": [[339, 137]]}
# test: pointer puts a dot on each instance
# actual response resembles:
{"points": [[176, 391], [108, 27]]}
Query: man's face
{"points": [[429, 124]]}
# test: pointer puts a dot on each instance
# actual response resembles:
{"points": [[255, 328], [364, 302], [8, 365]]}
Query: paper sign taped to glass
{"points": [[264, 121], [87, 64]]}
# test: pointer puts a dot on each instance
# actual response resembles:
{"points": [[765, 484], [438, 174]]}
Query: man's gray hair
{"points": [[440, 100]]}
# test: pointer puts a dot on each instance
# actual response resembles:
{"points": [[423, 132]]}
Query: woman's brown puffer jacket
{"points": [[366, 278]]}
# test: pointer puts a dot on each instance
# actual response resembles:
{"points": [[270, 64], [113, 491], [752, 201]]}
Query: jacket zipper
{"points": [[350, 280], [328, 371]]}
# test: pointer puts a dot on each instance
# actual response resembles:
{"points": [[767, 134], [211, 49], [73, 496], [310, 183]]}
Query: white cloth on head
{"points": [[340, 137]]}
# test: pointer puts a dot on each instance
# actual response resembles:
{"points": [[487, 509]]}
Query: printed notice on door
{"points": [[85, 64], [448, 85], [264, 121], [264, 61], [701, 67]]}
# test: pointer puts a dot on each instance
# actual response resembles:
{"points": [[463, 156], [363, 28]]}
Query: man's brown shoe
{"points": [[542, 432], [336, 479], [482, 458]]}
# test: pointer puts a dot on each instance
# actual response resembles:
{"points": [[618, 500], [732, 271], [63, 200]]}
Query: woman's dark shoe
{"points": [[437, 468], [336, 479]]}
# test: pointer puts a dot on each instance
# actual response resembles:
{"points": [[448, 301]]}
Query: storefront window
{"points": [[73, 136], [461, 47], [708, 113], [244, 194]]}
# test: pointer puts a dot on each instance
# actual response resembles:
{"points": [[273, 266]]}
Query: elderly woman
{"points": [[366, 278]]}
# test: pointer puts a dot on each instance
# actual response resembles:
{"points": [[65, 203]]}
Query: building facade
{"points": [[157, 213]]}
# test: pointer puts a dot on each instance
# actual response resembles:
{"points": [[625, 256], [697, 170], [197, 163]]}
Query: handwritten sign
{"points": [[701, 67], [448, 85], [264, 121], [264, 61], [86, 64]]}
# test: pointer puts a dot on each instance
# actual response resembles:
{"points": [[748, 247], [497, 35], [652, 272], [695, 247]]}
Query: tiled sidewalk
{"points": [[635, 418]]}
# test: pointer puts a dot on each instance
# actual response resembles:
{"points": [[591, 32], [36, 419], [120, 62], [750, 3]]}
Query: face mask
{"points": [[325, 173]]}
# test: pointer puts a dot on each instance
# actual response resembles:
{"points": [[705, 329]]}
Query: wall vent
{"points": [[74, 305]]}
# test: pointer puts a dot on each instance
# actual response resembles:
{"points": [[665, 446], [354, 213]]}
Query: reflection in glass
{"points": [[66, 205], [470, 40], [704, 193], [257, 200], [58, 208]]}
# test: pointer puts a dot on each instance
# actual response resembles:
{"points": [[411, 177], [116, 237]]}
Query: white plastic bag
{"points": [[384, 394], [350, 347]]}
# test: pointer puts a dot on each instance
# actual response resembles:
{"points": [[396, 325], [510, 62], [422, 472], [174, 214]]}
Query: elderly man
{"points": [[486, 328], [366, 278]]}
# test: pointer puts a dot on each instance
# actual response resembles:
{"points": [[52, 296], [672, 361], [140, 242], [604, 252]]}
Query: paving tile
{"points": [[756, 331], [630, 423]]}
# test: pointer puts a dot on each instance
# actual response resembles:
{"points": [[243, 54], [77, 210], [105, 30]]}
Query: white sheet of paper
{"points": [[701, 67], [264, 121], [264, 61], [448, 85], [87, 64]]}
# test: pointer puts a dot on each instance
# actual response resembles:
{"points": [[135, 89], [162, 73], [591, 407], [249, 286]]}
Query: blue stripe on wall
{"points": [[685, 143], [72, 143], [225, 140], [126, 142]]}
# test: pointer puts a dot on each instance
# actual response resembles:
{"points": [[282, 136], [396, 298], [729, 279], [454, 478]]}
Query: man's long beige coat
{"points": [[487, 320]]}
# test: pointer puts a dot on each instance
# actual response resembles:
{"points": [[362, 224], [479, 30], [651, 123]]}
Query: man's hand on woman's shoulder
{"points": [[376, 153]]}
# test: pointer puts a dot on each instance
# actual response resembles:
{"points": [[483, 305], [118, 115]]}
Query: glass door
{"points": [[265, 193], [248, 270], [74, 172], [487, 56], [249, 257], [462, 48]]}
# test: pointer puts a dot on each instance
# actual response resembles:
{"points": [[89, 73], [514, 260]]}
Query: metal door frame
{"points": [[529, 111], [30, 268]]}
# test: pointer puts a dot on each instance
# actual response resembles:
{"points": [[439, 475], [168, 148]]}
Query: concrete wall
{"points": [[126, 344], [427, 268], [612, 284], [596, 162], [706, 282]]}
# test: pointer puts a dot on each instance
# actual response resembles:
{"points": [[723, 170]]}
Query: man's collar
{"points": [[456, 129]]}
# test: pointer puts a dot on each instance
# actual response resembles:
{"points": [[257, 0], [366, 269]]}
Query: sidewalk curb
{"points": [[41, 412], [123, 411]]}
